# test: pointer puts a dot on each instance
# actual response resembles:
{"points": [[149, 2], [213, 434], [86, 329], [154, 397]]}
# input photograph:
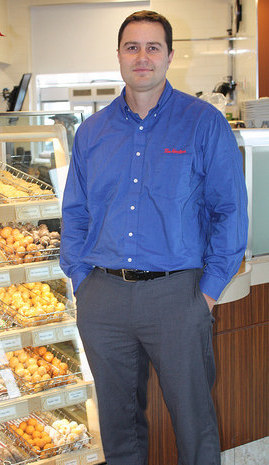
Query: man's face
{"points": [[143, 56]]}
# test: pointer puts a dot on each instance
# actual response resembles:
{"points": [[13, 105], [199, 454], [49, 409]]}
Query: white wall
{"points": [[86, 40], [19, 52], [196, 66], [4, 30], [4, 47]]}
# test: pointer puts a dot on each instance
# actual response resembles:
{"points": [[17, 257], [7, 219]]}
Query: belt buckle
{"points": [[124, 271]]}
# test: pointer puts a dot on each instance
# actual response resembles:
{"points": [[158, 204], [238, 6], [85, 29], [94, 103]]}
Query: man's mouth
{"points": [[142, 70]]}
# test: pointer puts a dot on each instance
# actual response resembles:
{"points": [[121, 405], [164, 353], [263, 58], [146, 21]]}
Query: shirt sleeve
{"points": [[225, 206], [75, 216]]}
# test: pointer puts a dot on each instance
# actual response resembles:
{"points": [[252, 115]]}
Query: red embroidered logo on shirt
{"points": [[174, 151]]}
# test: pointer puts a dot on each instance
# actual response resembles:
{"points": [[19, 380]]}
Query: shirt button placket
{"points": [[136, 178]]}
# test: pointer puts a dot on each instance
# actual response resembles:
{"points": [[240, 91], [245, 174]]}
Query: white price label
{"points": [[3, 358], [56, 271], [70, 462], [27, 212], [5, 278], [76, 395], [7, 412], [45, 336], [69, 331], [9, 380], [50, 211], [12, 343], [91, 458], [53, 401], [37, 273]]}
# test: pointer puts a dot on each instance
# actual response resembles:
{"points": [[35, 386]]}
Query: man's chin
{"points": [[142, 84], [146, 86]]}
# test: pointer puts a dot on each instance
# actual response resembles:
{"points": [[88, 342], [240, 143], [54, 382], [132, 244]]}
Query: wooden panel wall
{"points": [[241, 343], [263, 55]]}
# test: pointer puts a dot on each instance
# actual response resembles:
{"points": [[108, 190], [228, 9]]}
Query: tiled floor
{"points": [[253, 453]]}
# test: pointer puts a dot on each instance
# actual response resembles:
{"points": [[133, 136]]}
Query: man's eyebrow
{"points": [[135, 43], [155, 43], [130, 42]]}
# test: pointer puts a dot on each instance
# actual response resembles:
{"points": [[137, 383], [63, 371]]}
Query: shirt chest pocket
{"points": [[169, 174]]}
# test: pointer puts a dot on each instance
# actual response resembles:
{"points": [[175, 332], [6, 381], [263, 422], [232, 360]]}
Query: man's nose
{"points": [[142, 55]]}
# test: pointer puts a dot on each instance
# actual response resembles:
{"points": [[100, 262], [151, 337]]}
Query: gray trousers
{"points": [[167, 320]]}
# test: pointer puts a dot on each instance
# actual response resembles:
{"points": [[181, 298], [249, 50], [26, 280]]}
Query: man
{"points": [[154, 228]]}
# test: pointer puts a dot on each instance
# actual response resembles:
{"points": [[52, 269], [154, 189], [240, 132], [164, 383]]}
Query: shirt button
{"points": [[126, 118], [138, 154], [135, 180], [155, 114], [130, 260], [130, 234], [132, 207], [141, 128]]}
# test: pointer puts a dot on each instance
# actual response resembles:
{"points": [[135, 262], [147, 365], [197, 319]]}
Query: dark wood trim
{"points": [[240, 390], [263, 58]]}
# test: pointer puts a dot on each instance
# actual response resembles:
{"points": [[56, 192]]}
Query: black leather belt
{"points": [[138, 275]]}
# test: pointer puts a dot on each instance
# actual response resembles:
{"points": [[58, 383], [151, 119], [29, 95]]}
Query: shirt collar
{"points": [[168, 89]]}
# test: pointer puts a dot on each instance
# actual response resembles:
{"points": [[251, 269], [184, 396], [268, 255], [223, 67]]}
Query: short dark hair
{"points": [[150, 16]]}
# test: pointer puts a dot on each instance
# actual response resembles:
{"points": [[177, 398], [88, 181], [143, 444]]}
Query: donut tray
{"points": [[27, 243], [17, 186], [46, 420], [7, 256], [55, 375], [39, 316]]}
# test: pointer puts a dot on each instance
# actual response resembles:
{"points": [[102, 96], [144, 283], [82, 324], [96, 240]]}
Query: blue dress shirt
{"points": [[160, 194]]}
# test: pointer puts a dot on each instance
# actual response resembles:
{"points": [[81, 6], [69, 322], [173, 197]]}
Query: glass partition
{"points": [[41, 152], [254, 145], [37, 145]]}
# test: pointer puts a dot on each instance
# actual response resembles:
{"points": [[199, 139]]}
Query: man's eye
{"points": [[152, 48], [132, 48]]}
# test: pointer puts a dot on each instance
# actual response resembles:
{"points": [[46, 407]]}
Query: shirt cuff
{"points": [[78, 277], [212, 285]]}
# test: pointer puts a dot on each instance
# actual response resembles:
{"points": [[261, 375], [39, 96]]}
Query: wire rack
{"points": [[3, 391], [60, 414], [46, 420], [8, 257], [60, 286], [27, 245], [71, 375], [15, 185], [40, 315], [19, 455], [7, 322]]}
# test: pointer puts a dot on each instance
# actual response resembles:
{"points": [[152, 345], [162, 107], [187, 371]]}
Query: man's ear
{"points": [[170, 57]]}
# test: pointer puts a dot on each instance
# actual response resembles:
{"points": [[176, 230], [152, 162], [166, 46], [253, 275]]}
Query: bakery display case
{"points": [[48, 408]]}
